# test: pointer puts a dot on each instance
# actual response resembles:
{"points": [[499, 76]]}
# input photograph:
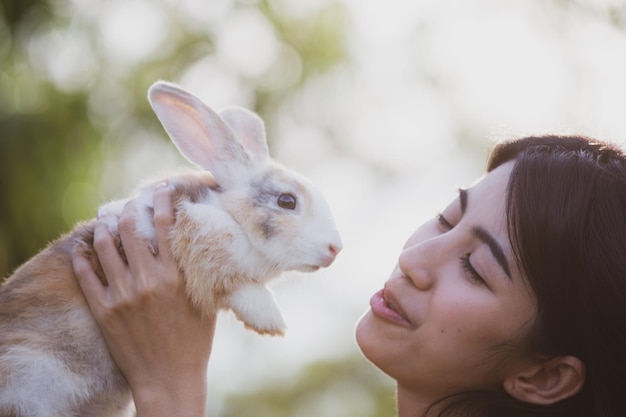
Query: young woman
{"points": [[511, 302]]}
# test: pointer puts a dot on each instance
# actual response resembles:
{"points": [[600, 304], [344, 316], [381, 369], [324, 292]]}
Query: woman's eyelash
{"points": [[470, 271], [443, 221]]}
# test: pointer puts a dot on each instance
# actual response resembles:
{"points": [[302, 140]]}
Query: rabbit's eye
{"points": [[287, 201]]}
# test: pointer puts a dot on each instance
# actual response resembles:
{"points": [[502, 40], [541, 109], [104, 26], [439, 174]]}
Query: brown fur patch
{"points": [[205, 286], [42, 308], [193, 186]]}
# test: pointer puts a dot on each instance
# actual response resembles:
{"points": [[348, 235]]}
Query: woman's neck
{"points": [[411, 404]]}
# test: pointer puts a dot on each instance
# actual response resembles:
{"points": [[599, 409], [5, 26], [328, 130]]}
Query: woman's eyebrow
{"points": [[495, 248], [486, 237]]}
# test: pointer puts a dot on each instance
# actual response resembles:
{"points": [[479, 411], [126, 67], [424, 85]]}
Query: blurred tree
{"points": [[41, 153], [347, 387], [15, 10], [41, 130]]}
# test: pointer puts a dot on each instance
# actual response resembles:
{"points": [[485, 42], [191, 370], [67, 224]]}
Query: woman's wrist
{"points": [[183, 396]]}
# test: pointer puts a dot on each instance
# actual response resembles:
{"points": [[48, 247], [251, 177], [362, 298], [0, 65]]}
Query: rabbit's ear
{"points": [[198, 132], [250, 130]]}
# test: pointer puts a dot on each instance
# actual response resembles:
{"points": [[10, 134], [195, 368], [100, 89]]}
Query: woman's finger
{"points": [[104, 245], [90, 284], [137, 248], [163, 218]]}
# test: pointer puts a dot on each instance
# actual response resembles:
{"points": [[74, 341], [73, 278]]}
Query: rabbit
{"points": [[229, 240]]}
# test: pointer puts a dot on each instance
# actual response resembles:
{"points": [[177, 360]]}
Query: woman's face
{"points": [[455, 310]]}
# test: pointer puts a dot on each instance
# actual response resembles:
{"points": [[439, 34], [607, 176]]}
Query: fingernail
{"points": [[161, 185]]}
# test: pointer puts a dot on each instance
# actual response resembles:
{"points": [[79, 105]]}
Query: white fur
{"points": [[42, 374], [254, 305]]}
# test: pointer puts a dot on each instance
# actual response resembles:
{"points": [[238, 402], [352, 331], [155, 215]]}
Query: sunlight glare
{"points": [[247, 43], [132, 30], [215, 84]]}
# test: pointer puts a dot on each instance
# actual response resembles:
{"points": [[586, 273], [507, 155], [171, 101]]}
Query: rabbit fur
{"points": [[229, 240]]}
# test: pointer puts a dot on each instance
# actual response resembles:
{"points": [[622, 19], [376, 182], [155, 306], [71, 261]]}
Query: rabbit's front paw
{"points": [[255, 306], [110, 214]]}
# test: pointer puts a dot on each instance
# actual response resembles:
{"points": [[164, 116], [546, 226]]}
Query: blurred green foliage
{"points": [[347, 387], [53, 132]]}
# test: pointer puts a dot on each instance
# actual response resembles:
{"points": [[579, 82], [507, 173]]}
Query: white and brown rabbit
{"points": [[228, 240]]}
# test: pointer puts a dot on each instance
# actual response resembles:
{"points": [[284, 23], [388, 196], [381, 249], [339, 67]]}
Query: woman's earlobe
{"points": [[547, 382]]}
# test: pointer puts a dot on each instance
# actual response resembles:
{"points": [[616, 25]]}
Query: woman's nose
{"points": [[418, 263]]}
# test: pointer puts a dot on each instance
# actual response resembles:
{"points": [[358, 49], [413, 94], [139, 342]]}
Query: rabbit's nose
{"points": [[334, 250]]}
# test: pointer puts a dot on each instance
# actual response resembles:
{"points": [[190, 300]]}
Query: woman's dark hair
{"points": [[566, 214]]}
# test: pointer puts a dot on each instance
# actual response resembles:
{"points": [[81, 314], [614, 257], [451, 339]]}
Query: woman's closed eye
{"points": [[467, 266], [470, 271]]}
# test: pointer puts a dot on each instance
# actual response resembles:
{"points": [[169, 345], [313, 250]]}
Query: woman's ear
{"points": [[547, 382]]}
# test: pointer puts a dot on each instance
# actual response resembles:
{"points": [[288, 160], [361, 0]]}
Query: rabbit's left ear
{"points": [[249, 129], [201, 134]]}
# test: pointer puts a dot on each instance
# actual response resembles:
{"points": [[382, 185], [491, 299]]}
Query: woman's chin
{"points": [[366, 337]]}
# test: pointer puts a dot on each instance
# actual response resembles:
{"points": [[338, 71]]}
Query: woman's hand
{"points": [[161, 345]]}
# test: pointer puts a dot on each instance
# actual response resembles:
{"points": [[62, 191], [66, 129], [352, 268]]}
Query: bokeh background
{"points": [[387, 106]]}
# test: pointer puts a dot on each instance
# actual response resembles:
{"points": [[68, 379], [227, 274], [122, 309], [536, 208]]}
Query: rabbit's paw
{"points": [[109, 214], [254, 305]]}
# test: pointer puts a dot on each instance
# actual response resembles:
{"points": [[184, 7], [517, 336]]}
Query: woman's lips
{"points": [[387, 310]]}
